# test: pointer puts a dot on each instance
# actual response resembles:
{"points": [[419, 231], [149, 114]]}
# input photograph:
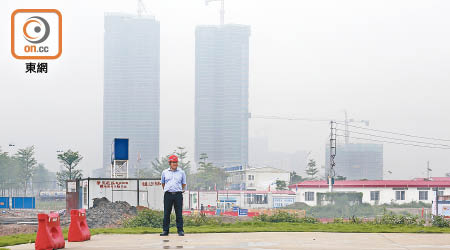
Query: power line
{"points": [[392, 138], [408, 144], [288, 118], [389, 132]]}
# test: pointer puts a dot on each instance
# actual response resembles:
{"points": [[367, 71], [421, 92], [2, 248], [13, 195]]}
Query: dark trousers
{"points": [[175, 200]]}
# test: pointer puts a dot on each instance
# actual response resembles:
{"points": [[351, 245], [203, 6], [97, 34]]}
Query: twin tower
{"points": [[131, 103]]}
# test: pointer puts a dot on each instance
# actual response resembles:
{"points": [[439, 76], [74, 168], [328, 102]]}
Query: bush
{"points": [[148, 218], [310, 220], [348, 210], [394, 219], [340, 211], [356, 220], [412, 204], [152, 218], [440, 221], [338, 220], [202, 219], [281, 216]]}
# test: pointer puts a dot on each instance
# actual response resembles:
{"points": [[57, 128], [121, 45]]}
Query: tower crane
{"points": [[141, 8]]}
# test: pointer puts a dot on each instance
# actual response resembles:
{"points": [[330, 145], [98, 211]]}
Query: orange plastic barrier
{"points": [[49, 235], [78, 229]]}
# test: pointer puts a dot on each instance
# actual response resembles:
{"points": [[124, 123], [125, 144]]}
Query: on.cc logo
{"points": [[40, 28], [36, 34]]}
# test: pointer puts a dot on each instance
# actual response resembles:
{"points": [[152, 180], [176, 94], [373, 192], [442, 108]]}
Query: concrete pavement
{"points": [[262, 241]]}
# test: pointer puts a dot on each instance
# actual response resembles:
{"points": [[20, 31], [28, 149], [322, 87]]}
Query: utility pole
{"points": [[333, 144], [222, 10], [428, 170]]}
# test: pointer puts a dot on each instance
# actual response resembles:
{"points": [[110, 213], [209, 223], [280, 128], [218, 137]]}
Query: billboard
{"points": [[120, 149]]}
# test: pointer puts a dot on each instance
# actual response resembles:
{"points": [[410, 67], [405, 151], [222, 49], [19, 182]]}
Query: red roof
{"points": [[374, 183]]}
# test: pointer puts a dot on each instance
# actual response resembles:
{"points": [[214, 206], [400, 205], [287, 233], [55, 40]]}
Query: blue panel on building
{"points": [[243, 212], [24, 202], [121, 149], [4, 202], [232, 201], [235, 168]]}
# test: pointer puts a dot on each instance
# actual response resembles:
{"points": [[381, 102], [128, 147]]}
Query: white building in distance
{"points": [[376, 191], [255, 178]]}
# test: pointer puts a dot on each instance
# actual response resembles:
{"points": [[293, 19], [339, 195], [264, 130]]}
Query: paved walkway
{"points": [[262, 241]]}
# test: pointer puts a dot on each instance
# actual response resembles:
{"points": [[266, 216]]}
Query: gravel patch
{"points": [[109, 214]]}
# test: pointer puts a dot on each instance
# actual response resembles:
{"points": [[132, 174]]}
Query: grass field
{"points": [[248, 227]]}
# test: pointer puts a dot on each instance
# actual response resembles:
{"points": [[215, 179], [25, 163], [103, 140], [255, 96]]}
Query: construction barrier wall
{"points": [[23, 202], [136, 192], [149, 193], [4, 202]]}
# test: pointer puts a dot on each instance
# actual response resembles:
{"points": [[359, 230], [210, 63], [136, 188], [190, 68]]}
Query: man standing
{"points": [[173, 181]]}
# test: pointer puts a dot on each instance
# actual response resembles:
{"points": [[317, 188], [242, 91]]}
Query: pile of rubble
{"points": [[108, 214]]}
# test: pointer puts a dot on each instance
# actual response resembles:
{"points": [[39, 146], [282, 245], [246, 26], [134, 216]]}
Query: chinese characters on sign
{"points": [[32, 67], [151, 183], [113, 184]]}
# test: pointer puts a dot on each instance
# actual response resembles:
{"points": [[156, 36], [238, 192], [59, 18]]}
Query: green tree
{"points": [[9, 172], [182, 155], [4, 173], [281, 185], [295, 178], [208, 176], [68, 171], [27, 164], [42, 178], [145, 173], [160, 165], [312, 170]]}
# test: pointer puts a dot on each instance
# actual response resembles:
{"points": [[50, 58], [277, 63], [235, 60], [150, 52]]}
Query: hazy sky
{"points": [[383, 61]]}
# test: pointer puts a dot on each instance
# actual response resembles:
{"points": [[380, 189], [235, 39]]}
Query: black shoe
{"points": [[180, 233], [164, 233]]}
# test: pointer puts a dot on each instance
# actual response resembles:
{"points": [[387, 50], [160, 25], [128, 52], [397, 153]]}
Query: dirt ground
{"points": [[11, 219], [17, 229]]}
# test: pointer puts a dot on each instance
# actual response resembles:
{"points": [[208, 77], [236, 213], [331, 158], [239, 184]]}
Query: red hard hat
{"points": [[173, 158]]}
